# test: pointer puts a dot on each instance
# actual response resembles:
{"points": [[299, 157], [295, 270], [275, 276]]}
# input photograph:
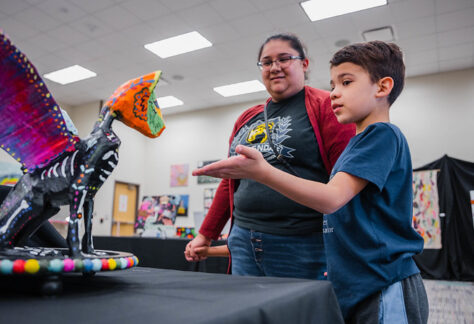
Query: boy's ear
{"points": [[385, 86]]}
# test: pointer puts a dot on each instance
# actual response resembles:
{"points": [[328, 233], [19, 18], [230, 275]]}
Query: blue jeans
{"points": [[260, 254]]}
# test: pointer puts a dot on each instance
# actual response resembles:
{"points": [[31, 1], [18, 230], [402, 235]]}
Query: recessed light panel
{"points": [[169, 101], [240, 88], [70, 74], [317, 9], [178, 45]]}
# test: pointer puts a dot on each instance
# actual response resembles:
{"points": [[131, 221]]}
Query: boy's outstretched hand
{"points": [[248, 164]]}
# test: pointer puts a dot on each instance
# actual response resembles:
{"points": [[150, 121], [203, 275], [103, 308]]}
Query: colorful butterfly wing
{"points": [[32, 129]]}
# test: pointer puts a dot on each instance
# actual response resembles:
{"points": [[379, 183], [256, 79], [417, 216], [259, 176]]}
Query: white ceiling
{"points": [[107, 37]]}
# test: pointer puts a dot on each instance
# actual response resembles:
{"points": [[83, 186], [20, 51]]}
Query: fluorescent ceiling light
{"points": [[178, 45], [382, 34], [318, 9], [240, 88], [70, 74], [169, 101]]}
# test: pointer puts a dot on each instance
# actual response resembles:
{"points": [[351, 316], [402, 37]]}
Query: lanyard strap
{"points": [[279, 157]]}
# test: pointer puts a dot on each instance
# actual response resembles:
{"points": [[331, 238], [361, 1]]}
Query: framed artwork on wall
{"points": [[426, 208], [179, 175], [157, 215]]}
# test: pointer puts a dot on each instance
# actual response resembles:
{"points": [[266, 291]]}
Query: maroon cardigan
{"points": [[332, 138]]}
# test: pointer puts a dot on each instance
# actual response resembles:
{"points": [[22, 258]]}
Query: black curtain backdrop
{"points": [[455, 260]]}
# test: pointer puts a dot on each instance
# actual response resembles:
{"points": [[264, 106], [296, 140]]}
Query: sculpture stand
{"points": [[48, 265]]}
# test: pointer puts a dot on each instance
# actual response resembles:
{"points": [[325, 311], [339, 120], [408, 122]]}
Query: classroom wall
{"points": [[435, 112]]}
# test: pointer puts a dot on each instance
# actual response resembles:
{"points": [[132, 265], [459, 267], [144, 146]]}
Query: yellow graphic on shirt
{"points": [[259, 134]]}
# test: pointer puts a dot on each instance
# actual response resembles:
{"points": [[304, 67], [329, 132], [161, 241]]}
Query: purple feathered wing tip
{"points": [[32, 129]]}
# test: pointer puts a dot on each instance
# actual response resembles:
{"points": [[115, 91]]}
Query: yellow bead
{"points": [[112, 264], [32, 266]]}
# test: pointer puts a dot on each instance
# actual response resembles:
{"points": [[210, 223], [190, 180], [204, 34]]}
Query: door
{"points": [[125, 209]]}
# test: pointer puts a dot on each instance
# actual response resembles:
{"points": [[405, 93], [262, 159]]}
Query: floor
{"points": [[450, 301]]}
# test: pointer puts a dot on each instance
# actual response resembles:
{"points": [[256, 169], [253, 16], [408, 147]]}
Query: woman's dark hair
{"points": [[294, 42], [379, 59]]}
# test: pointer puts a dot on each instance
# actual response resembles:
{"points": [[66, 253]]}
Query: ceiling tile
{"points": [[422, 69], [91, 26], [411, 9], [455, 20], [67, 35], [61, 10], [336, 27], [146, 9], [265, 5], [456, 64], [200, 16], [284, 17], [30, 50], [44, 42], [456, 52], [179, 5], [117, 17], [423, 57], [231, 9], [246, 26], [37, 20], [91, 6], [13, 7], [415, 28], [50, 62], [16, 29], [169, 26], [457, 36], [219, 33], [372, 18], [418, 44], [75, 55], [443, 6]]}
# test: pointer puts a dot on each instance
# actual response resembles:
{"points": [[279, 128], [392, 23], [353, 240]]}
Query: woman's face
{"points": [[282, 82]]}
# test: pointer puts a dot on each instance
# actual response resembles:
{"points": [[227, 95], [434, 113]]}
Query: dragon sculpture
{"points": [[60, 168]]}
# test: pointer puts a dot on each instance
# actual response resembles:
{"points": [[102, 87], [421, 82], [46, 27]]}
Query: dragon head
{"points": [[134, 103]]}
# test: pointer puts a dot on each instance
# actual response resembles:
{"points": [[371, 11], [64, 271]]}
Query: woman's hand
{"points": [[248, 164]]}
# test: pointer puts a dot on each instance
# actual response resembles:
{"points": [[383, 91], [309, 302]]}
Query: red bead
{"points": [[105, 264], [19, 266]]}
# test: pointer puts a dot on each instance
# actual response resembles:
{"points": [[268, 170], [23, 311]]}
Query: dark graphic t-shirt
{"points": [[260, 208]]}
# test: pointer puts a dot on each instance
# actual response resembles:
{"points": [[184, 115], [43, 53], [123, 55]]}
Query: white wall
{"points": [[435, 112]]}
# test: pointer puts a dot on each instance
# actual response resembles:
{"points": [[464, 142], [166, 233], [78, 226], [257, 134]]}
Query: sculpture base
{"points": [[48, 261]]}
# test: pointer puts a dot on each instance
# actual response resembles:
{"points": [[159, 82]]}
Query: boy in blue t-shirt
{"points": [[367, 203]]}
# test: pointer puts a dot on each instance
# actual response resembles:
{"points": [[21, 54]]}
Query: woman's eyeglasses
{"points": [[282, 61]]}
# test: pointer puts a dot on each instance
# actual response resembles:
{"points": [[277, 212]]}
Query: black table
{"points": [[160, 253], [147, 295]]}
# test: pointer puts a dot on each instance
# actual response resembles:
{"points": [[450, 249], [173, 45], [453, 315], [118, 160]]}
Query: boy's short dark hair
{"points": [[379, 59]]}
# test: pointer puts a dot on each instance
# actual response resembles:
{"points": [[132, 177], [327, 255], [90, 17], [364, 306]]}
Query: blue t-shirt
{"points": [[370, 241]]}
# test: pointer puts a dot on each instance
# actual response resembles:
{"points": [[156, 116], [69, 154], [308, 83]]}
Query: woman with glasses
{"points": [[296, 131]]}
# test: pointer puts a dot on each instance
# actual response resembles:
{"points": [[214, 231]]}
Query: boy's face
{"points": [[353, 94]]}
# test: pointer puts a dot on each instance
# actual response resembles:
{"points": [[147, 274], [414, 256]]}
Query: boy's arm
{"points": [[325, 198]]}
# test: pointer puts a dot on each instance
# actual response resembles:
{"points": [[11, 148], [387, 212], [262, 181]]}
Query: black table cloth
{"points": [[148, 295]]}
